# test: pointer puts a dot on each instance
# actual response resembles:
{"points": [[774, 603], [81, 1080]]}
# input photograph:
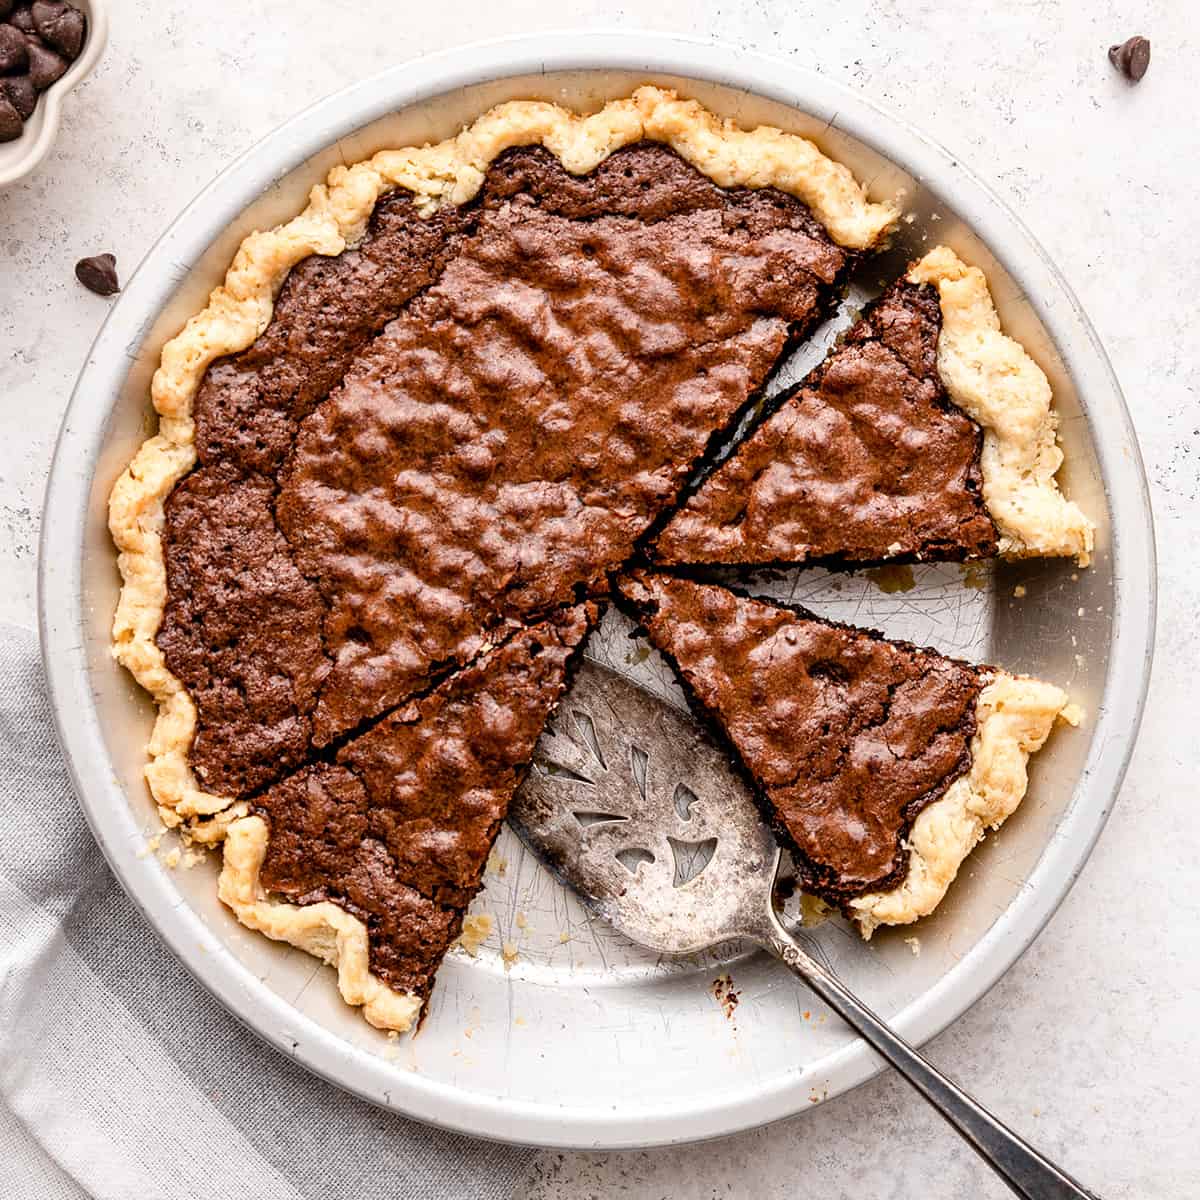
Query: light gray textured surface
{"points": [[1090, 1044]]}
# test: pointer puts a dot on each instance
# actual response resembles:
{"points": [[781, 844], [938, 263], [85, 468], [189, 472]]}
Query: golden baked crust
{"points": [[323, 930], [450, 172], [1014, 716], [995, 382]]}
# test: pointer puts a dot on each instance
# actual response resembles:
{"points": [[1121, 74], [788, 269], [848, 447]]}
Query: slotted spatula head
{"points": [[635, 806]]}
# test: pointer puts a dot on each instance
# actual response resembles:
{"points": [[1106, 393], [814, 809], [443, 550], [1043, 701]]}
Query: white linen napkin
{"points": [[121, 1078]]}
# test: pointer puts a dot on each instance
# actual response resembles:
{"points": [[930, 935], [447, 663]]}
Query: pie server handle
{"points": [[1028, 1173]]}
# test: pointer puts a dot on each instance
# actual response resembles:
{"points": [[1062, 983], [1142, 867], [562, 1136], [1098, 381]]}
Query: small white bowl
{"points": [[20, 156]]}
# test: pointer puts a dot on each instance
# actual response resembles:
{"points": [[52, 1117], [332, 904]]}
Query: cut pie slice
{"points": [[369, 860], [925, 434], [880, 764]]}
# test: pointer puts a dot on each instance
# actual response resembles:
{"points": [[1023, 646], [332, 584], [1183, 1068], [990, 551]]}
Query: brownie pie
{"points": [[459, 427], [396, 827], [420, 429], [926, 434]]}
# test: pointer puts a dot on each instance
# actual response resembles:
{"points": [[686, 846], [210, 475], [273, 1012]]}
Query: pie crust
{"points": [[323, 930], [997, 384], [1014, 716]]}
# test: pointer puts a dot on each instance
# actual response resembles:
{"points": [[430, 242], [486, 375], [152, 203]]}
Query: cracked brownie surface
{"points": [[845, 735], [243, 626], [461, 426], [865, 459]]}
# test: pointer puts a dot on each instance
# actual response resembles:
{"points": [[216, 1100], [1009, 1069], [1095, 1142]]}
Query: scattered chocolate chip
{"points": [[60, 25], [19, 91], [1131, 58], [98, 274], [46, 66], [10, 121], [14, 53], [22, 18]]}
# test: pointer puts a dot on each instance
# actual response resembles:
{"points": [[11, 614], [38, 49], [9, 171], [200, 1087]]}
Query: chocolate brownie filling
{"points": [[866, 459], [845, 736], [465, 423], [242, 628], [398, 827]]}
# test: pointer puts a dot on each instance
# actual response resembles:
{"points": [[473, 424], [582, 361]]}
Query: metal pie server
{"points": [[633, 805]]}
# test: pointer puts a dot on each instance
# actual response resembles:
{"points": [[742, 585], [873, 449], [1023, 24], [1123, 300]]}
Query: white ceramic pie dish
{"points": [[585, 1042], [20, 156]]}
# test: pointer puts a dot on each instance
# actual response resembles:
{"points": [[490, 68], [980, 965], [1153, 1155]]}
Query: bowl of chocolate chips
{"points": [[46, 48]]}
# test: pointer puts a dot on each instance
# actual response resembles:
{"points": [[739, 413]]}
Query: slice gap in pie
{"points": [[880, 764], [926, 434], [369, 860]]}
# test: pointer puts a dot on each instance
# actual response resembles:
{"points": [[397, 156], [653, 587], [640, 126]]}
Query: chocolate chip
{"points": [[10, 121], [22, 18], [14, 54], [21, 94], [98, 274], [1131, 58], [45, 65], [60, 25]]}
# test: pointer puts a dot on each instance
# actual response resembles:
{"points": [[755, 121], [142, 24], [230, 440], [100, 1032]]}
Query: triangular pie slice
{"points": [[879, 763], [369, 860], [926, 434]]}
